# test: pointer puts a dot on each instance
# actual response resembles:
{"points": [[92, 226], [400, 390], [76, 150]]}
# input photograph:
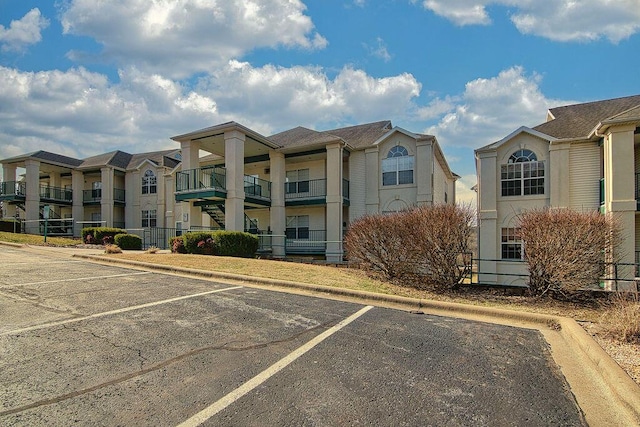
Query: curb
{"points": [[622, 388]]}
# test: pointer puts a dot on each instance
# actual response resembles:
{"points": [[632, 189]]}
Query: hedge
{"points": [[223, 243], [129, 242], [99, 234]]}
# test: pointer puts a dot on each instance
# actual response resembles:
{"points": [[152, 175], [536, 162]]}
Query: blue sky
{"points": [[82, 77]]}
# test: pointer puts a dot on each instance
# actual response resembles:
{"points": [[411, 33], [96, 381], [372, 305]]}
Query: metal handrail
{"points": [[201, 178]]}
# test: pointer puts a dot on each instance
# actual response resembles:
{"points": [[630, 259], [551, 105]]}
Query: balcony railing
{"points": [[56, 194], [302, 240], [13, 188], [95, 195], [310, 189], [307, 189], [201, 178], [637, 186], [257, 187]]}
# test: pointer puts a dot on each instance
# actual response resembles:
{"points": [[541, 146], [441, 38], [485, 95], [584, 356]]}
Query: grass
{"points": [[34, 239]]}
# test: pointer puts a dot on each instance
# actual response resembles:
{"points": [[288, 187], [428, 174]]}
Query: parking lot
{"points": [[89, 344]]}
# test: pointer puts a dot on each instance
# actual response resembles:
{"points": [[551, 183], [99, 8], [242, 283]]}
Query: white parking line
{"points": [[254, 382], [92, 278], [118, 311], [42, 262]]}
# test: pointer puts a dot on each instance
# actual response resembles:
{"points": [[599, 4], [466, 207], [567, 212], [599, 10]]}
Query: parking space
{"points": [[104, 345]]}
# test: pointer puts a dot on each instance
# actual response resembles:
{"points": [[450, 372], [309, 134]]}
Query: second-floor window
{"points": [[149, 180], [297, 181], [523, 175], [397, 168]]}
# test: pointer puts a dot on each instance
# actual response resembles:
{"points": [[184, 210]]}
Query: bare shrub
{"points": [[426, 247], [565, 250], [622, 319], [377, 244], [112, 249]]}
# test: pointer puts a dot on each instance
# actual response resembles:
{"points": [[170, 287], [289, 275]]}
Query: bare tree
{"points": [[425, 247], [565, 250]]}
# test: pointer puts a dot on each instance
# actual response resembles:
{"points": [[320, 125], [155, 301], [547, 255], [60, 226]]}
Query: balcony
{"points": [[303, 241], [56, 194], [91, 197], [311, 192], [257, 188], [201, 183], [13, 190]]}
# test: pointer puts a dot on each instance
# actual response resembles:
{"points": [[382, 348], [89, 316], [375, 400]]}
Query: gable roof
{"points": [[579, 120], [46, 157], [520, 130], [359, 136], [118, 159], [158, 158]]}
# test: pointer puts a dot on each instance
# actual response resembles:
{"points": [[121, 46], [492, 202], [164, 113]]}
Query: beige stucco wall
{"points": [[357, 181]]}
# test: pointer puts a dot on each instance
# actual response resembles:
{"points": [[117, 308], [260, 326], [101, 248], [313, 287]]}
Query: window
{"points": [[397, 168], [149, 183], [511, 243], [149, 218], [523, 175], [297, 181], [96, 189], [297, 227]]}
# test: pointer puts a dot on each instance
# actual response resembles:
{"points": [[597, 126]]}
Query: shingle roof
{"points": [[160, 158], [577, 121], [118, 159], [359, 136], [46, 157]]}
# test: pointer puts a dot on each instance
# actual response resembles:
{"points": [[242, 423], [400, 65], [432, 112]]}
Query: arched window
{"points": [[397, 168], [149, 182], [522, 175]]}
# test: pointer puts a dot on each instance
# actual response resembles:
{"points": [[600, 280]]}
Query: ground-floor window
{"points": [[149, 218], [297, 227], [511, 243]]}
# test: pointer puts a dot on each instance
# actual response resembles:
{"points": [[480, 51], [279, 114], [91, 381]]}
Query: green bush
{"points": [[200, 242], [129, 242], [236, 244], [100, 235], [176, 244], [223, 243]]}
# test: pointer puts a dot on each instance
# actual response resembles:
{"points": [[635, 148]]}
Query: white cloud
{"points": [[379, 50], [561, 20], [23, 32], [279, 97], [181, 37], [81, 113], [490, 109]]}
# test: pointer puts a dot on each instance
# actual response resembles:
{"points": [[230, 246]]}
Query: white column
{"points": [[334, 252], [106, 201], [234, 164], [372, 180], [620, 198], [277, 213], [191, 215], [424, 172], [9, 176], [32, 199], [488, 232], [77, 209]]}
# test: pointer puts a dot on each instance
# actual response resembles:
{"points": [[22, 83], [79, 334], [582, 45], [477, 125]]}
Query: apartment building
{"points": [[585, 157], [297, 189]]}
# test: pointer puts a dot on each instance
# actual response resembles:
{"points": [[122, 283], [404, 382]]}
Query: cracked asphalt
{"points": [[89, 344]]}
